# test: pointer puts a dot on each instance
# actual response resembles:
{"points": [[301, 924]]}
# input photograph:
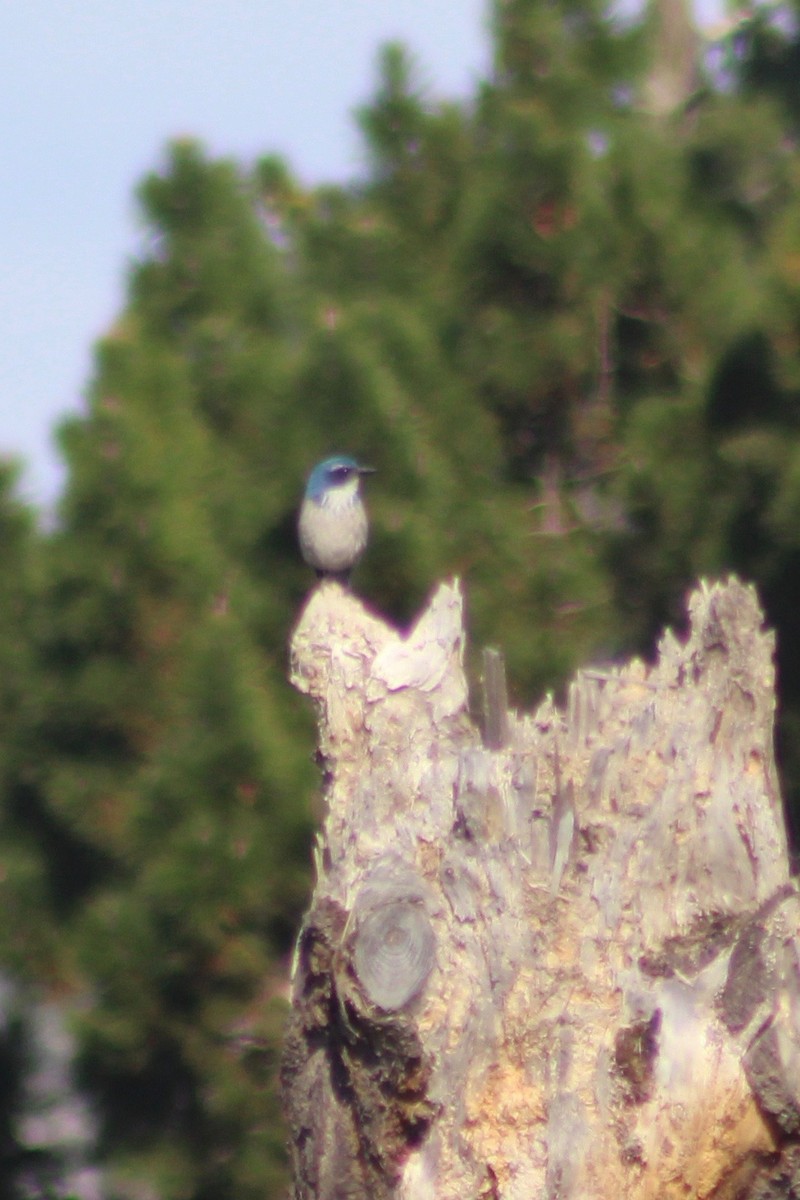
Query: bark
{"points": [[561, 964]]}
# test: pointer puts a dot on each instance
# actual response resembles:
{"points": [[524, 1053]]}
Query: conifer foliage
{"points": [[564, 325]]}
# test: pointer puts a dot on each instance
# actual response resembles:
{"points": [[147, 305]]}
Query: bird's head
{"points": [[337, 472]]}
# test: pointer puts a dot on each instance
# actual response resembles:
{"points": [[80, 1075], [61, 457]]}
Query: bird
{"points": [[332, 526]]}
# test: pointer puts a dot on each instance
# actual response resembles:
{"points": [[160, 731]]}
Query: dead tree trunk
{"points": [[565, 966]]}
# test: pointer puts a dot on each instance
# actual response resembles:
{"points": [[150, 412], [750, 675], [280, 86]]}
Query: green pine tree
{"points": [[563, 327]]}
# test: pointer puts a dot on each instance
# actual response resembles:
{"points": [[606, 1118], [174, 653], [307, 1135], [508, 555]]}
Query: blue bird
{"points": [[333, 520]]}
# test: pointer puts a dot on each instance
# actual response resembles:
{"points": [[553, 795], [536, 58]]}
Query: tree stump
{"points": [[564, 964]]}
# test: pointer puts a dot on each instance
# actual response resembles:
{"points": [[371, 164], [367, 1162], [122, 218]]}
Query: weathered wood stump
{"points": [[564, 966]]}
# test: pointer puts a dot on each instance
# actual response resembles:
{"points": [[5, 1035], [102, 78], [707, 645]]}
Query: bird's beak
{"points": [[366, 470]]}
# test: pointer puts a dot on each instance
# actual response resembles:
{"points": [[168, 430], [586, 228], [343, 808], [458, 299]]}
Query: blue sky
{"points": [[91, 90]]}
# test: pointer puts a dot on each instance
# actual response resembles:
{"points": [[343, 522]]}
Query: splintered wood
{"points": [[562, 965]]}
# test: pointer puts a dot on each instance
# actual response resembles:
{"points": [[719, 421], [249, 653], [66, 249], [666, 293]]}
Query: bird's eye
{"points": [[341, 472]]}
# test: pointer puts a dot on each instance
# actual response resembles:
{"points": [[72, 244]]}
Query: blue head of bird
{"points": [[333, 520]]}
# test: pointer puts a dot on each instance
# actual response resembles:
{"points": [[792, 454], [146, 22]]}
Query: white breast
{"points": [[333, 532]]}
